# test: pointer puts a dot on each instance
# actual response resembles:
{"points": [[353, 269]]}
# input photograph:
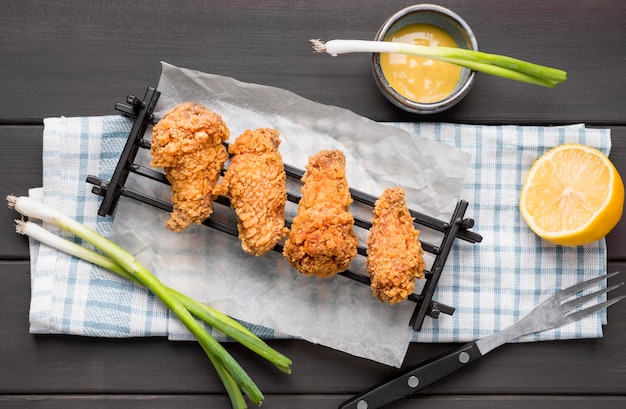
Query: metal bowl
{"points": [[440, 17]]}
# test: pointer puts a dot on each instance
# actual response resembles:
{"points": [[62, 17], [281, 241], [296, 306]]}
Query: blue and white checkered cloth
{"points": [[70, 296], [490, 284], [494, 283]]}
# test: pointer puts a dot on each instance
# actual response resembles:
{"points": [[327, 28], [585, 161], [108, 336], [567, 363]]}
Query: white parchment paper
{"points": [[211, 267]]}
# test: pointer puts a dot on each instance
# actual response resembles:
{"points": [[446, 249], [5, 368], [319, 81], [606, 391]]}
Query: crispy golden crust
{"points": [[394, 253], [187, 143], [325, 181], [322, 241], [255, 184]]}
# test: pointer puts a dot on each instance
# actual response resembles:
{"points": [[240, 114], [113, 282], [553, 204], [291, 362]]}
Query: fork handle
{"points": [[414, 379]]}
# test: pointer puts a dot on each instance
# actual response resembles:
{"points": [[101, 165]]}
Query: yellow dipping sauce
{"points": [[420, 79]]}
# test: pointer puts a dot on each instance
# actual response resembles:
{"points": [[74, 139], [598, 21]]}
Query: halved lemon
{"points": [[572, 195]]}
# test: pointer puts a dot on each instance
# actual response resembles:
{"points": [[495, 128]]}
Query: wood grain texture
{"points": [[75, 58], [616, 239], [80, 57], [305, 402], [20, 170], [49, 364]]}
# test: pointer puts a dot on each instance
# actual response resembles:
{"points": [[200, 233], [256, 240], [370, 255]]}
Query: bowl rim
{"points": [[402, 102]]}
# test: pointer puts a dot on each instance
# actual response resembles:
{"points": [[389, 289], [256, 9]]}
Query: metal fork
{"points": [[553, 312]]}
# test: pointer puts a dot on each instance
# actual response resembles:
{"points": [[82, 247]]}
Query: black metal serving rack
{"points": [[141, 110]]}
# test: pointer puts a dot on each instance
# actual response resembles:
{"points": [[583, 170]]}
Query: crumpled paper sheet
{"points": [[211, 267]]}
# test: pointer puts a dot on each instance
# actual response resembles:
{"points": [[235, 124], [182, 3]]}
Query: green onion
{"points": [[213, 317], [46, 237], [123, 263], [498, 65]]}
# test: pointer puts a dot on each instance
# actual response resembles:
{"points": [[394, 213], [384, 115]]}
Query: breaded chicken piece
{"points": [[394, 253], [188, 144], [255, 184], [322, 241]]}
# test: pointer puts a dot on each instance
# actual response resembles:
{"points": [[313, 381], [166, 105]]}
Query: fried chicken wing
{"points": [[188, 143], [255, 184], [322, 241], [394, 253]]}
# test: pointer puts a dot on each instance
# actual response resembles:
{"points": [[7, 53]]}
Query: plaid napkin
{"points": [[490, 284], [494, 283], [70, 296]]}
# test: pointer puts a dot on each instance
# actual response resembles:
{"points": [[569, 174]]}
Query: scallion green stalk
{"points": [[493, 64], [237, 401], [48, 238], [209, 315], [35, 209]]}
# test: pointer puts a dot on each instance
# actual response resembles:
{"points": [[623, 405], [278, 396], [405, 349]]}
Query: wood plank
{"points": [[79, 58], [95, 53], [67, 364], [304, 402], [616, 239], [20, 169]]}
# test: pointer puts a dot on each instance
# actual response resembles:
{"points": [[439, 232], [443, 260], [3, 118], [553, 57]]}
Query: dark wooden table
{"points": [[77, 58]]}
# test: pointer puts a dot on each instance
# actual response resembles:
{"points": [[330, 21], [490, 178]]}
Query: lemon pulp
{"points": [[573, 195]]}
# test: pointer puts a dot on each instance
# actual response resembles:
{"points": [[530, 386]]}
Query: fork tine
{"points": [[587, 311], [581, 286], [570, 305]]}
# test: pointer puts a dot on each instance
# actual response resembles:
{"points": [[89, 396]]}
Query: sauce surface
{"points": [[416, 78]]}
